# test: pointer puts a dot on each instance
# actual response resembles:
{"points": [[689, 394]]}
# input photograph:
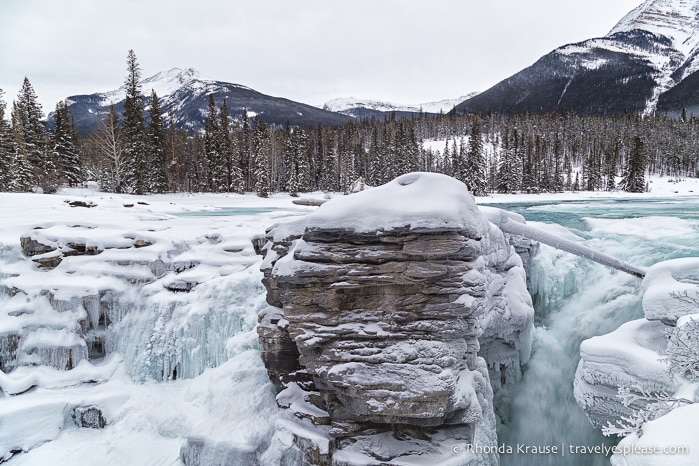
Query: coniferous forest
{"points": [[139, 151]]}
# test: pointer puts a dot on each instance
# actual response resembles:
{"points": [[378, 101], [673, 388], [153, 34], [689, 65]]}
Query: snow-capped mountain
{"points": [[359, 107], [184, 95], [646, 64]]}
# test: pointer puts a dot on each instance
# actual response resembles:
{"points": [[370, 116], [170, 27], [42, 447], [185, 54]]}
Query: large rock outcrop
{"points": [[392, 314]]}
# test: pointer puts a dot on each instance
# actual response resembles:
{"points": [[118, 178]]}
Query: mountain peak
{"points": [[677, 20], [166, 82]]}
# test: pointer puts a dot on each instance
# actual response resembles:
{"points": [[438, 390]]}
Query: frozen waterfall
{"points": [[576, 299]]}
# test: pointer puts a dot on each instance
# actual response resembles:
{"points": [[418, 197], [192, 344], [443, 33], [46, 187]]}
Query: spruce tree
{"points": [[157, 163], [135, 176], [260, 149], [21, 170], [634, 180], [212, 149], [35, 139], [296, 161], [229, 155], [65, 152], [5, 146], [475, 175], [245, 154], [375, 177]]}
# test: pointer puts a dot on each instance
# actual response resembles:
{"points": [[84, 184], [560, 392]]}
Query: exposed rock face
{"points": [[391, 311], [89, 416]]}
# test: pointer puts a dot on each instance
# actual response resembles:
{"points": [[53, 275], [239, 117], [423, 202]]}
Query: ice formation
{"points": [[93, 297], [393, 314]]}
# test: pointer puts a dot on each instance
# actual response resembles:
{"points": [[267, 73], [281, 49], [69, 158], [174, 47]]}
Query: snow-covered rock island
{"points": [[394, 315]]}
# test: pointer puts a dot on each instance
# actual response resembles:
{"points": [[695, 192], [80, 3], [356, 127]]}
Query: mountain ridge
{"points": [[638, 67], [184, 94], [349, 105]]}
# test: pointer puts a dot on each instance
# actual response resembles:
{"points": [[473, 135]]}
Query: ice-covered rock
{"points": [[633, 357], [671, 290], [394, 308], [628, 358]]}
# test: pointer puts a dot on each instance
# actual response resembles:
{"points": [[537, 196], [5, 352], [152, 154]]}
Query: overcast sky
{"points": [[311, 51]]}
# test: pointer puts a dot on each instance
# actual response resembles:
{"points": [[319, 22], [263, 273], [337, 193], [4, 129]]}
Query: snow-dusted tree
{"points": [[508, 167], [233, 177], [21, 170], [212, 148], [458, 161], [475, 174], [29, 120], [245, 154], [5, 146], [296, 161], [645, 407], [634, 180], [135, 175], [683, 345], [157, 143], [112, 154], [260, 150], [610, 166], [375, 175], [65, 152]]}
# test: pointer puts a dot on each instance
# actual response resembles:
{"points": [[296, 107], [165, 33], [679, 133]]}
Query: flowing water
{"points": [[576, 299]]}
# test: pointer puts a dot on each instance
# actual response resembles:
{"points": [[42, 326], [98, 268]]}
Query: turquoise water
{"points": [[572, 214], [242, 211], [576, 299]]}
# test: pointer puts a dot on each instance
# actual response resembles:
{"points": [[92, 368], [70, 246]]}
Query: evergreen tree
{"points": [[245, 154], [508, 169], [135, 174], [634, 180], [232, 168], [610, 166], [212, 149], [296, 161], [29, 121], [458, 161], [260, 148], [476, 177], [375, 176], [65, 152], [5, 147], [21, 169], [157, 160]]}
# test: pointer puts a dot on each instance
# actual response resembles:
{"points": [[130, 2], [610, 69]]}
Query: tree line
{"points": [[141, 151]]}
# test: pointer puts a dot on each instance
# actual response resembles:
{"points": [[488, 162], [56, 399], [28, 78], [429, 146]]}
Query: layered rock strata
{"points": [[390, 313]]}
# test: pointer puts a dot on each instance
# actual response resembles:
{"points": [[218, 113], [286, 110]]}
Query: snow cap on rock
{"points": [[420, 201]]}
